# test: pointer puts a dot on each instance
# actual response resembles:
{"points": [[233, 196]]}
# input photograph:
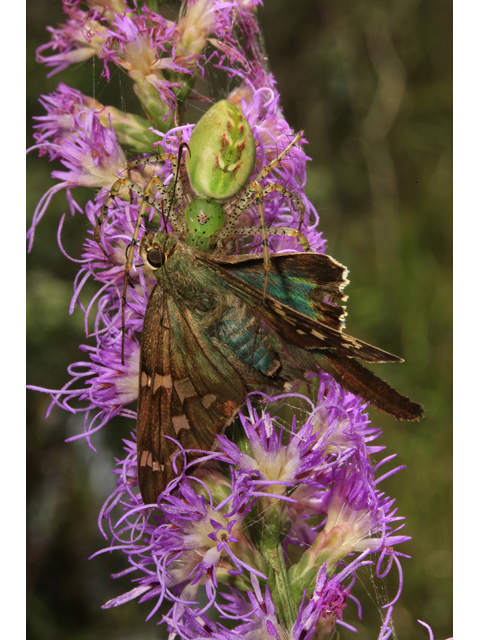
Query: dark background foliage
{"points": [[370, 84]]}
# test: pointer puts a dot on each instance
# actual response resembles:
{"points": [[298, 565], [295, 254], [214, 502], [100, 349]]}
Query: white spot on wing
{"points": [[162, 381], [146, 459], [184, 388], [179, 423], [207, 400], [145, 380]]}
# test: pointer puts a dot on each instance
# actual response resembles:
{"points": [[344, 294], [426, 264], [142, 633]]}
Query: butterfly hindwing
{"points": [[362, 382], [354, 377]]}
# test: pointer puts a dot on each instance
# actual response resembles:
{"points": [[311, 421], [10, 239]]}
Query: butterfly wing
{"points": [[301, 281], [362, 382], [295, 306], [309, 326], [356, 378], [188, 391]]}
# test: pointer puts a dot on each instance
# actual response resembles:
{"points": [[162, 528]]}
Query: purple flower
{"points": [[59, 123], [268, 530], [141, 48], [357, 510], [428, 628], [92, 156], [276, 465], [258, 618], [79, 39], [189, 544], [202, 536], [61, 106]]}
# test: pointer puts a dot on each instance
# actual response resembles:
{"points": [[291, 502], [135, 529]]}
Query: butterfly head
{"points": [[156, 249]]}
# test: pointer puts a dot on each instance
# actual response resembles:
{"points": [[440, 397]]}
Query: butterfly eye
{"points": [[156, 257]]}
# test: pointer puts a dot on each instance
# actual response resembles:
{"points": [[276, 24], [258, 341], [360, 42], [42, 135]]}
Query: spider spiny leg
{"points": [[263, 232], [130, 254], [287, 194], [248, 197], [274, 231], [126, 182]]}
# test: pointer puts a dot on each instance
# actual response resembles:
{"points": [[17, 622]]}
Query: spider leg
{"points": [[249, 196], [146, 194], [240, 208], [128, 266], [275, 162], [180, 185], [287, 194], [263, 232], [274, 231]]}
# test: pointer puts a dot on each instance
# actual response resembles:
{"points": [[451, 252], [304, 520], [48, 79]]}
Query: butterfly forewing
{"points": [[302, 328], [301, 281], [188, 391], [309, 341]]}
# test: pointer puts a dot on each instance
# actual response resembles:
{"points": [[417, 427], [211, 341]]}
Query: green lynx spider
{"points": [[219, 163]]}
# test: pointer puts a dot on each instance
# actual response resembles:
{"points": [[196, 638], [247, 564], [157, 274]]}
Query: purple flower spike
{"points": [[259, 538], [61, 106], [205, 528], [326, 605]]}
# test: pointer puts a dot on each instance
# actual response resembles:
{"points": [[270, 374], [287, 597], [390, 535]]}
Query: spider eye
{"points": [[156, 257]]}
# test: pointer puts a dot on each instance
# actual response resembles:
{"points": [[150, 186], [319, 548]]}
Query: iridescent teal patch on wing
{"points": [[291, 291]]}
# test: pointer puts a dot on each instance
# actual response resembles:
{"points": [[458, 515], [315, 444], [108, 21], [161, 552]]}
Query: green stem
{"points": [[280, 589]]}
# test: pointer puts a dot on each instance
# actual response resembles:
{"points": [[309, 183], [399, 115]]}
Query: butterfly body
{"points": [[205, 342]]}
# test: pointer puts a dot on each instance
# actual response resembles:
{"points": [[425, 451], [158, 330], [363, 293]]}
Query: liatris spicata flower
{"points": [[278, 517], [261, 537]]}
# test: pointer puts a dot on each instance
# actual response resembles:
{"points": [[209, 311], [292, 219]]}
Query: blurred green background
{"points": [[370, 84]]}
